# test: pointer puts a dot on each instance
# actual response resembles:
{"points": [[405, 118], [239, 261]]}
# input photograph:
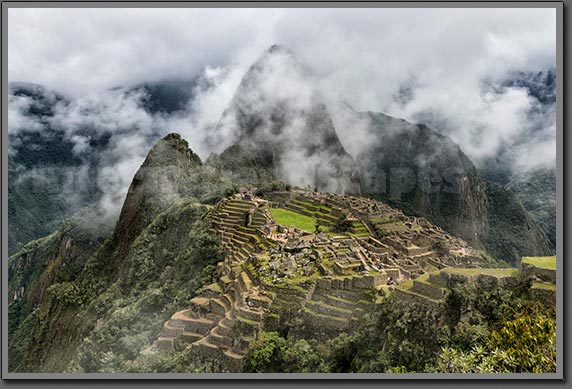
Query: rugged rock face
{"points": [[278, 114], [413, 168], [537, 192], [511, 232]]}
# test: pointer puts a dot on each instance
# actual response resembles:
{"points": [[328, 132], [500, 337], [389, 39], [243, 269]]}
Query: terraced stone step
{"points": [[198, 325], [164, 343], [245, 280], [240, 204], [327, 320], [429, 290], [219, 339], [259, 301], [225, 280], [416, 298], [249, 314], [229, 318], [233, 355], [288, 302], [334, 300], [189, 337], [348, 295], [228, 300], [249, 326], [224, 328], [234, 208], [206, 348], [169, 330], [219, 306], [326, 309]]}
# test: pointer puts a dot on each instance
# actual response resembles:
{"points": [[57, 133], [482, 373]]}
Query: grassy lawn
{"points": [[542, 262], [390, 226], [542, 285], [290, 218], [492, 272]]}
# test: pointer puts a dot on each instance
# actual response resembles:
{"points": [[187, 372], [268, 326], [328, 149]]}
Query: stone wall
{"points": [[547, 275]]}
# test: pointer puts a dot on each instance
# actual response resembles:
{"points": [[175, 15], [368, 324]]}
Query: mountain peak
{"points": [[162, 179], [276, 48], [171, 150], [277, 111]]}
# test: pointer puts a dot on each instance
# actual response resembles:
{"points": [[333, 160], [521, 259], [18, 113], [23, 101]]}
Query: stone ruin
{"points": [[273, 273]]}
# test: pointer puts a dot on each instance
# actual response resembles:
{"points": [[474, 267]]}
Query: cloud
{"points": [[435, 59]]}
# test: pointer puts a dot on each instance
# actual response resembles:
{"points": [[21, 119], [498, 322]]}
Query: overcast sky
{"points": [[75, 49]]}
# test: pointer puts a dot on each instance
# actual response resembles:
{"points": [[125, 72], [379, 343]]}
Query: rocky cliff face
{"points": [[277, 114], [537, 192]]}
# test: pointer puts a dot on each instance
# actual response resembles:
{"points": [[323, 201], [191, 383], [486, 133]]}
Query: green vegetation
{"points": [[342, 225], [272, 353], [541, 262], [526, 344], [472, 272], [288, 218], [99, 323], [543, 285]]}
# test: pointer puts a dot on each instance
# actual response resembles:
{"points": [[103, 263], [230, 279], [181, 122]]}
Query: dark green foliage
{"points": [[163, 277], [264, 357], [482, 329], [318, 228], [526, 344], [111, 323], [273, 353], [342, 225]]}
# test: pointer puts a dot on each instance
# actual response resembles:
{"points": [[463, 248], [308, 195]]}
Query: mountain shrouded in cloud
{"points": [[483, 77], [277, 127], [414, 168], [376, 193], [277, 113]]}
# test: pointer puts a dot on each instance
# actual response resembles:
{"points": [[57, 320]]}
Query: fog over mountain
{"points": [[485, 78]]}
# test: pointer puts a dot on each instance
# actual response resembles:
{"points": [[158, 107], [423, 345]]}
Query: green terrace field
{"points": [[288, 217], [390, 224], [491, 272], [541, 262], [291, 218], [543, 285]]}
